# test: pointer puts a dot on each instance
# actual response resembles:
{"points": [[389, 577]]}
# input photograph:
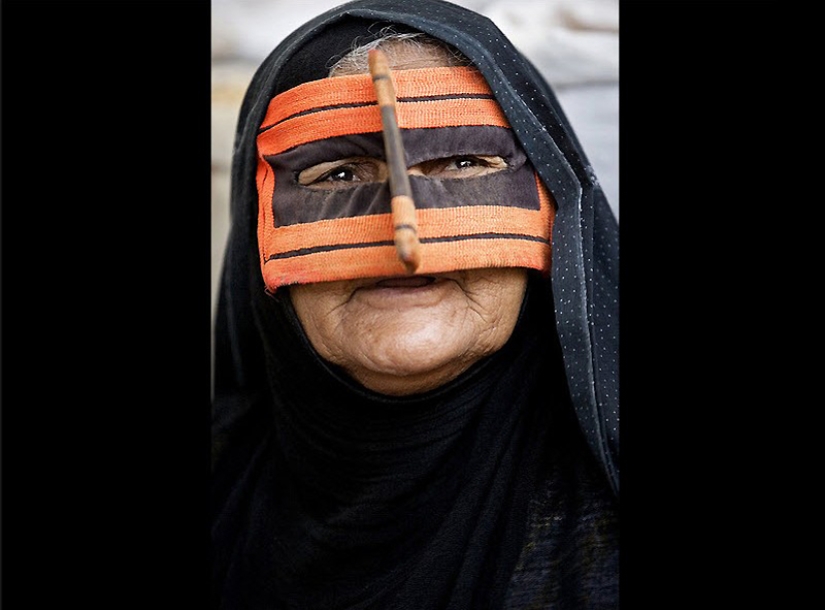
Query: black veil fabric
{"points": [[497, 490]]}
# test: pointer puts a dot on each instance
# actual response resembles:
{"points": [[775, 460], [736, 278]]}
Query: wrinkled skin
{"points": [[401, 336]]}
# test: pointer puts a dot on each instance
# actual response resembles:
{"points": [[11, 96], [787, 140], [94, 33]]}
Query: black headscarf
{"points": [[499, 489]]}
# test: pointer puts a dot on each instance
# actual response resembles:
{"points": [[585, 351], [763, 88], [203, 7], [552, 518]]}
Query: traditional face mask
{"points": [[324, 200]]}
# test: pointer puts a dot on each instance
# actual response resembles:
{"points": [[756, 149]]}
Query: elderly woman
{"points": [[416, 391]]}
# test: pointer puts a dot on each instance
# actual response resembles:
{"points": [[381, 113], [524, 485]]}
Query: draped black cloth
{"points": [[498, 490]]}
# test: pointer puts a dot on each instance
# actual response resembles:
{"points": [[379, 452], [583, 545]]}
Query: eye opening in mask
{"points": [[459, 166], [351, 171], [343, 173]]}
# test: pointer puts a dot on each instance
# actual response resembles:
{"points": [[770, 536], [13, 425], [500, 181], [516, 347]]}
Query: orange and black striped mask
{"points": [[308, 233]]}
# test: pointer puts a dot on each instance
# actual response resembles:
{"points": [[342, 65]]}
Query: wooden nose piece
{"points": [[405, 226]]}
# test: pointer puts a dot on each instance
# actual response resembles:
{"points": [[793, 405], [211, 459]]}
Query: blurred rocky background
{"points": [[574, 43]]}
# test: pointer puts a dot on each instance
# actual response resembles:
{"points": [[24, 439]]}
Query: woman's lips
{"points": [[416, 281], [401, 292]]}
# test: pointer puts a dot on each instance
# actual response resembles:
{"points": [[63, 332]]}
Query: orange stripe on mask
{"points": [[435, 224], [367, 119], [358, 89], [377, 261]]}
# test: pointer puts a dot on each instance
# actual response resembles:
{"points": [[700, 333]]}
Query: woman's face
{"points": [[409, 334]]}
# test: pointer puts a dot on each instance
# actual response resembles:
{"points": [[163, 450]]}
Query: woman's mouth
{"points": [[416, 281], [398, 293]]}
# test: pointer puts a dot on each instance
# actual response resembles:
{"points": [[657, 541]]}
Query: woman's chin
{"points": [[411, 363]]}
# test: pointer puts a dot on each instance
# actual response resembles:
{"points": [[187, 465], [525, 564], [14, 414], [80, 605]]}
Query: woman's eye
{"points": [[459, 163], [343, 173], [460, 166]]}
